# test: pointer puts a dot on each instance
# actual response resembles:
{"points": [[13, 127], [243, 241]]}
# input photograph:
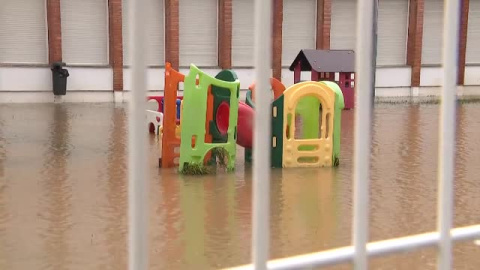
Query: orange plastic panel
{"points": [[170, 140], [208, 135], [277, 87]]}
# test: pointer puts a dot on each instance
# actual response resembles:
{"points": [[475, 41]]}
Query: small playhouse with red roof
{"points": [[328, 65]]}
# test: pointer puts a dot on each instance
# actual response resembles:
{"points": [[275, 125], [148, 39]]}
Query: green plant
{"points": [[195, 169], [336, 162], [221, 155]]}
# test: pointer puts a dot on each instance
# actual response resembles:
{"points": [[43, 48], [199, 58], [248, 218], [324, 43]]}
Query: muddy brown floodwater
{"points": [[63, 193]]}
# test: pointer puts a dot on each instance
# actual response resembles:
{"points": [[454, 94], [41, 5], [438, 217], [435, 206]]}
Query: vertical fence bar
{"points": [[261, 142], [375, 45], [363, 121], [137, 204], [451, 23]]}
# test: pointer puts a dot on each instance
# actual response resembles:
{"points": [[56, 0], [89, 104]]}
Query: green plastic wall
{"points": [[194, 113]]}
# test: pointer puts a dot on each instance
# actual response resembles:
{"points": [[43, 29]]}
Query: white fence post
{"points": [[364, 77], [137, 169], [261, 140], [446, 164]]}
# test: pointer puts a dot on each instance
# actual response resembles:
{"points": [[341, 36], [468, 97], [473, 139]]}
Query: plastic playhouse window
{"points": [[197, 80], [299, 127], [327, 126], [308, 147], [307, 159], [320, 120], [308, 118], [194, 141], [289, 125]]}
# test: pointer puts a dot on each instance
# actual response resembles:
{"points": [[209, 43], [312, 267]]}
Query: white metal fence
{"points": [[361, 250]]}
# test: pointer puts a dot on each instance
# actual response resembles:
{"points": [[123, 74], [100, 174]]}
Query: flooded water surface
{"points": [[63, 193]]}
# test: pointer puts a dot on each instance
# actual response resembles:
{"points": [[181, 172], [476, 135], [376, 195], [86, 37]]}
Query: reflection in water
{"points": [[406, 208], [63, 193], [2, 149], [3, 200], [167, 208], [305, 221], [219, 217], [56, 193], [114, 229], [192, 205], [467, 188]]}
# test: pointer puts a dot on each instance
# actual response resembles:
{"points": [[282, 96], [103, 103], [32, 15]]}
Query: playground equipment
{"points": [[204, 126], [319, 145], [154, 121], [318, 105], [193, 147], [170, 128], [170, 140], [324, 65]]}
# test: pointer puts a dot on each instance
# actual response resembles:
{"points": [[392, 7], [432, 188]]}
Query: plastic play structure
{"points": [[328, 65], [204, 127]]}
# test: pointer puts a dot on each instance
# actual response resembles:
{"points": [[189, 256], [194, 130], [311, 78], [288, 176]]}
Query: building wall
{"points": [[21, 73]]}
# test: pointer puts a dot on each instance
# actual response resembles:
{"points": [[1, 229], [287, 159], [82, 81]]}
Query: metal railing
{"points": [[361, 250]]}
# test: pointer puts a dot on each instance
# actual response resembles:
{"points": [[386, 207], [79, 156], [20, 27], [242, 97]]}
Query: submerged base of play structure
{"points": [[200, 131]]}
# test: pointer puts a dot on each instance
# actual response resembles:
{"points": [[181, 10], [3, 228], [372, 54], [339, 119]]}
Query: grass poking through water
{"points": [[195, 169], [219, 160]]}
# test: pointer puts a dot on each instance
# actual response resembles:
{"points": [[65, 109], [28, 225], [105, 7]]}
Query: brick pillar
{"points": [[277, 20], [225, 34], [414, 43], [171, 33], [54, 31], [324, 22], [462, 47], [116, 42]]}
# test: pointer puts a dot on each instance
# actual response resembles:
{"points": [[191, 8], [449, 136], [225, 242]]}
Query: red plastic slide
{"points": [[244, 126]]}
